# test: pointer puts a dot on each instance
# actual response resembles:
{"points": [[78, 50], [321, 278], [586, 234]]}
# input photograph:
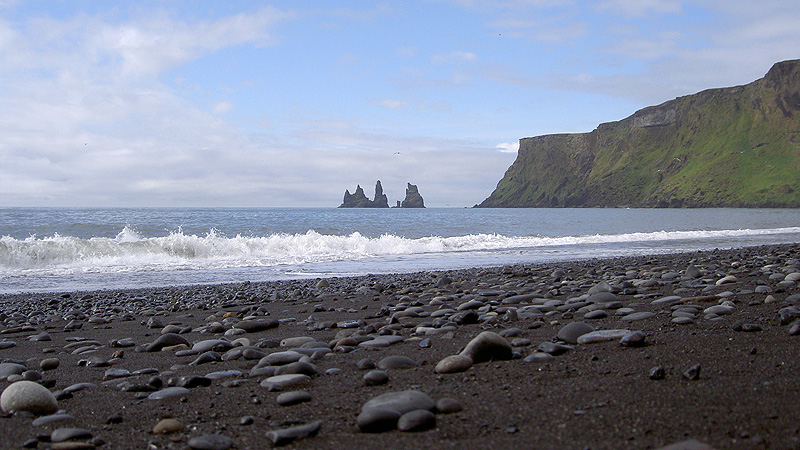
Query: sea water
{"points": [[64, 249]]}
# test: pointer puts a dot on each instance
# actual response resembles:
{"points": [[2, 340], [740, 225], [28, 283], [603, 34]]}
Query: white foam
{"points": [[131, 252]]}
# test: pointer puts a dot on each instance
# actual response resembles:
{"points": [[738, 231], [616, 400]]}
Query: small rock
{"points": [[488, 346], [417, 420], [633, 339], [293, 398], [692, 373], [657, 373], [287, 435], [167, 426], [210, 442], [453, 364], [376, 378]]}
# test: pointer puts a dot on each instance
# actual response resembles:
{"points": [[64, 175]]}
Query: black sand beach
{"points": [[715, 364]]}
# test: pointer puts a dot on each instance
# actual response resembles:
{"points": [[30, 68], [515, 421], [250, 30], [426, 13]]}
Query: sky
{"points": [[262, 104]]}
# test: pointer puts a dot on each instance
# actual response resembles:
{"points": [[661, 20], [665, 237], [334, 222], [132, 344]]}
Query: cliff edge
{"points": [[727, 147]]}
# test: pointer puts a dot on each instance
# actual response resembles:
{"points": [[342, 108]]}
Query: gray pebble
{"points": [[417, 420], [287, 435], [293, 398], [376, 378], [210, 442]]}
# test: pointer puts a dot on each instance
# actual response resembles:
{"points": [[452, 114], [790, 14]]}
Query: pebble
{"points": [[166, 340], [69, 434], [51, 419], [602, 336], [642, 315], [453, 364], [49, 363], [539, 357], [397, 362], [376, 378], [554, 348], [448, 406], [281, 382], [293, 398], [175, 391], [692, 373], [596, 314], [167, 426], [657, 373], [488, 346], [286, 436], [570, 332], [210, 442], [28, 396], [417, 420], [633, 339]]}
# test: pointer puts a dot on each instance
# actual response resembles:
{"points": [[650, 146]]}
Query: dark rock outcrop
{"points": [[413, 199], [726, 147], [359, 200]]}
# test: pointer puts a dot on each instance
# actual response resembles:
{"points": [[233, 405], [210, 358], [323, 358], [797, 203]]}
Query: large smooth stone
{"points": [[256, 325], [69, 434], [377, 420], [166, 340], [284, 381], [210, 442], [641, 315], [602, 336], [397, 362], [570, 332], [453, 364], [381, 341], [402, 402], [417, 420], [293, 398], [7, 369], [281, 358], [174, 391], [488, 346], [28, 396]]}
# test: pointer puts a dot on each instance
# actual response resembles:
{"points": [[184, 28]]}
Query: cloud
{"points": [[508, 147], [223, 107], [640, 8], [161, 42], [392, 103], [455, 57]]}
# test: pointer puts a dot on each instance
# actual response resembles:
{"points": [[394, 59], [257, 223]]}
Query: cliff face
{"points": [[359, 200], [413, 198], [729, 147]]}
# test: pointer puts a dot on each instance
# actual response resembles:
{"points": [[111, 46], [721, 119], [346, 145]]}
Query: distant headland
{"points": [[728, 147], [359, 200]]}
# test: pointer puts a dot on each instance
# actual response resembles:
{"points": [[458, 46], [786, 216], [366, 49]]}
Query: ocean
{"points": [[70, 249]]}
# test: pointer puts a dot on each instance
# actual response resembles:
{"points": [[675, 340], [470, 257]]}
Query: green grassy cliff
{"points": [[729, 147]]}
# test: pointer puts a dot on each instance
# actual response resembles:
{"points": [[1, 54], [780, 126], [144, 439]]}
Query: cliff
{"points": [[728, 147], [359, 200]]}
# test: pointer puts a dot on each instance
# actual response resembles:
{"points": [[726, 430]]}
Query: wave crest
{"points": [[128, 251]]}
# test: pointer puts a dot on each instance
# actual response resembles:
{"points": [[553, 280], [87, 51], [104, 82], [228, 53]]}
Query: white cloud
{"points": [[223, 107], [455, 57], [508, 147], [640, 8], [392, 103]]}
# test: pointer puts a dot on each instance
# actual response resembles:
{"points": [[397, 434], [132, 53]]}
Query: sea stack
{"points": [[359, 200], [413, 199]]}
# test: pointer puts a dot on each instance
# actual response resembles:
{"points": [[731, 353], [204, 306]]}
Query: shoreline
{"points": [[585, 395]]}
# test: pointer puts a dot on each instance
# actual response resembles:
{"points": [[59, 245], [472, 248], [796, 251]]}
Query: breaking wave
{"points": [[128, 251]]}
